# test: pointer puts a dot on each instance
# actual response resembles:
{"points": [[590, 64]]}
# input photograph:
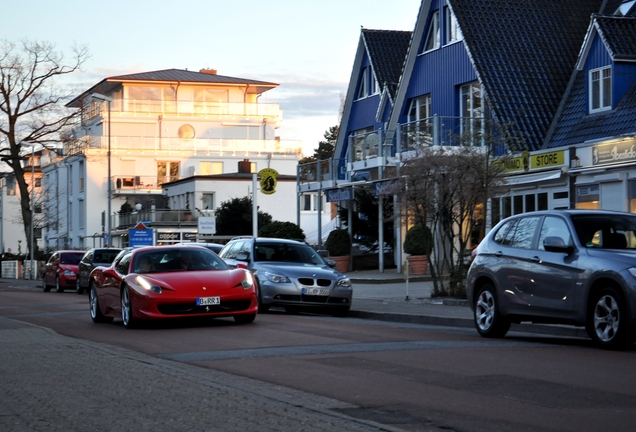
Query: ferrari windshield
{"points": [[164, 259]]}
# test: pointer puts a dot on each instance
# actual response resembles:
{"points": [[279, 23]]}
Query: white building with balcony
{"points": [[138, 132], [12, 233]]}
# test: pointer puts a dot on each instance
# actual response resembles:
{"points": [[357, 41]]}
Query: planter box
{"points": [[342, 263], [418, 264]]}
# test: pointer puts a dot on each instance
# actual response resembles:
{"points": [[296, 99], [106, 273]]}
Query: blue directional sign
{"points": [[140, 237]]}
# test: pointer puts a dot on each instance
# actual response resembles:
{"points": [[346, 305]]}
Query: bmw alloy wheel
{"points": [[607, 324], [488, 321]]}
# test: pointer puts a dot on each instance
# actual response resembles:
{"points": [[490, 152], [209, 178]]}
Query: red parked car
{"points": [[170, 282], [61, 270]]}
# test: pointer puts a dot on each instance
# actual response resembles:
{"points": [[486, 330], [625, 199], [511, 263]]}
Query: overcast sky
{"points": [[306, 47]]}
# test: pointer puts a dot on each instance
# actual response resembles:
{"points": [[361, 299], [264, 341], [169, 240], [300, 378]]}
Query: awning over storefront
{"points": [[534, 178]]}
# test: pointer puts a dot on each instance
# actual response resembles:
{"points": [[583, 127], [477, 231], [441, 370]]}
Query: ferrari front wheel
{"points": [[96, 313], [126, 309]]}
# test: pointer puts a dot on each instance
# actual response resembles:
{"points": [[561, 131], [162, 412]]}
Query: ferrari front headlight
{"points": [[248, 282], [148, 286]]}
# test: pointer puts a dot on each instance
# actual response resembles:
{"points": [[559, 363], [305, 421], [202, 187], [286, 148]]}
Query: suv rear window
{"points": [[517, 233]]}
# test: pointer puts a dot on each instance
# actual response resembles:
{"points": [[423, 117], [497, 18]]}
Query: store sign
{"points": [[388, 187], [189, 236], [587, 193], [207, 225], [547, 160], [169, 236], [345, 194], [528, 162], [613, 153]]}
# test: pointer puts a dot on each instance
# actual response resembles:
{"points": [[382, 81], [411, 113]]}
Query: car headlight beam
{"points": [[145, 284], [344, 283], [248, 282]]}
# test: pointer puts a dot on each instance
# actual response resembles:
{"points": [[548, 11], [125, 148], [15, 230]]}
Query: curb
{"points": [[544, 329], [411, 319], [393, 280]]}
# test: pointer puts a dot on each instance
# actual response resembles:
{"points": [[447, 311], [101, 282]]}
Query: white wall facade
{"points": [[153, 142]]}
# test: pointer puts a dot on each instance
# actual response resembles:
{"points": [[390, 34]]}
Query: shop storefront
{"points": [[606, 178], [535, 181], [171, 237]]}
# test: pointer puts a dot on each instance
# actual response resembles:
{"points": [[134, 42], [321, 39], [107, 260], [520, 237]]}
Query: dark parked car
{"points": [[290, 274], [575, 267], [61, 270], [93, 258]]}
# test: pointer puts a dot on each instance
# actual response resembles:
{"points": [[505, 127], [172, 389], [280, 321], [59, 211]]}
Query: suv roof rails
{"points": [[242, 237]]}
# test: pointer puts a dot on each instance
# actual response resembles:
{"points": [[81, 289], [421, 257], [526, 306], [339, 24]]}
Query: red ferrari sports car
{"points": [[170, 282]]}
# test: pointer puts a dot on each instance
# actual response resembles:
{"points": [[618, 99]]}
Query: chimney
{"points": [[208, 71], [245, 166]]}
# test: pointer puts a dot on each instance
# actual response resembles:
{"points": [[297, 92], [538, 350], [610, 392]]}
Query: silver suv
{"points": [[575, 267]]}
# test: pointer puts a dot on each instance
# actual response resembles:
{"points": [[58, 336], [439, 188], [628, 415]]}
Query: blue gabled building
{"points": [[558, 75], [371, 97], [597, 119]]}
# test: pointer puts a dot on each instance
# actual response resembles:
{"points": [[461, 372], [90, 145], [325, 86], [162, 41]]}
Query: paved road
{"points": [[324, 374]]}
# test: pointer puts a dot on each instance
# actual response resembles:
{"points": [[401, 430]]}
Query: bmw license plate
{"points": [[316, 291], [207, 301]]}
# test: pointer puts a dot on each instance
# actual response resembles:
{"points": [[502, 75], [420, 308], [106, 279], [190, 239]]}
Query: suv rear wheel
{"points": [[488, 320]]}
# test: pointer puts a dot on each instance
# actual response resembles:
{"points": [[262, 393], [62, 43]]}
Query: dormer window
{"points": [[433, 37], [375, 89], [367, 86], [362, 86], [453, 32], [600, 89]]}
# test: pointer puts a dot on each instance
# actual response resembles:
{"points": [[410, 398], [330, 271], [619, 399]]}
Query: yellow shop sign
{"points": [[536, 161]]}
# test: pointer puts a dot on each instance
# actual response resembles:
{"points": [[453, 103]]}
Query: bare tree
{"points": [[447, 189], [32, 105]]}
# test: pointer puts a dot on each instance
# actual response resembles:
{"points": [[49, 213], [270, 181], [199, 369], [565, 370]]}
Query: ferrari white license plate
{"points": [[207, 301], [316, 291]]}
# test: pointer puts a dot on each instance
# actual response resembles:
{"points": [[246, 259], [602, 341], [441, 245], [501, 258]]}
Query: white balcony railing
{"points": [[141, 107], [195, 146]]}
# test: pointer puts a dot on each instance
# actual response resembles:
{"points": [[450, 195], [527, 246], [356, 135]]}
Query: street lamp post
{"points": [[110, 188], [32, 198]]}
